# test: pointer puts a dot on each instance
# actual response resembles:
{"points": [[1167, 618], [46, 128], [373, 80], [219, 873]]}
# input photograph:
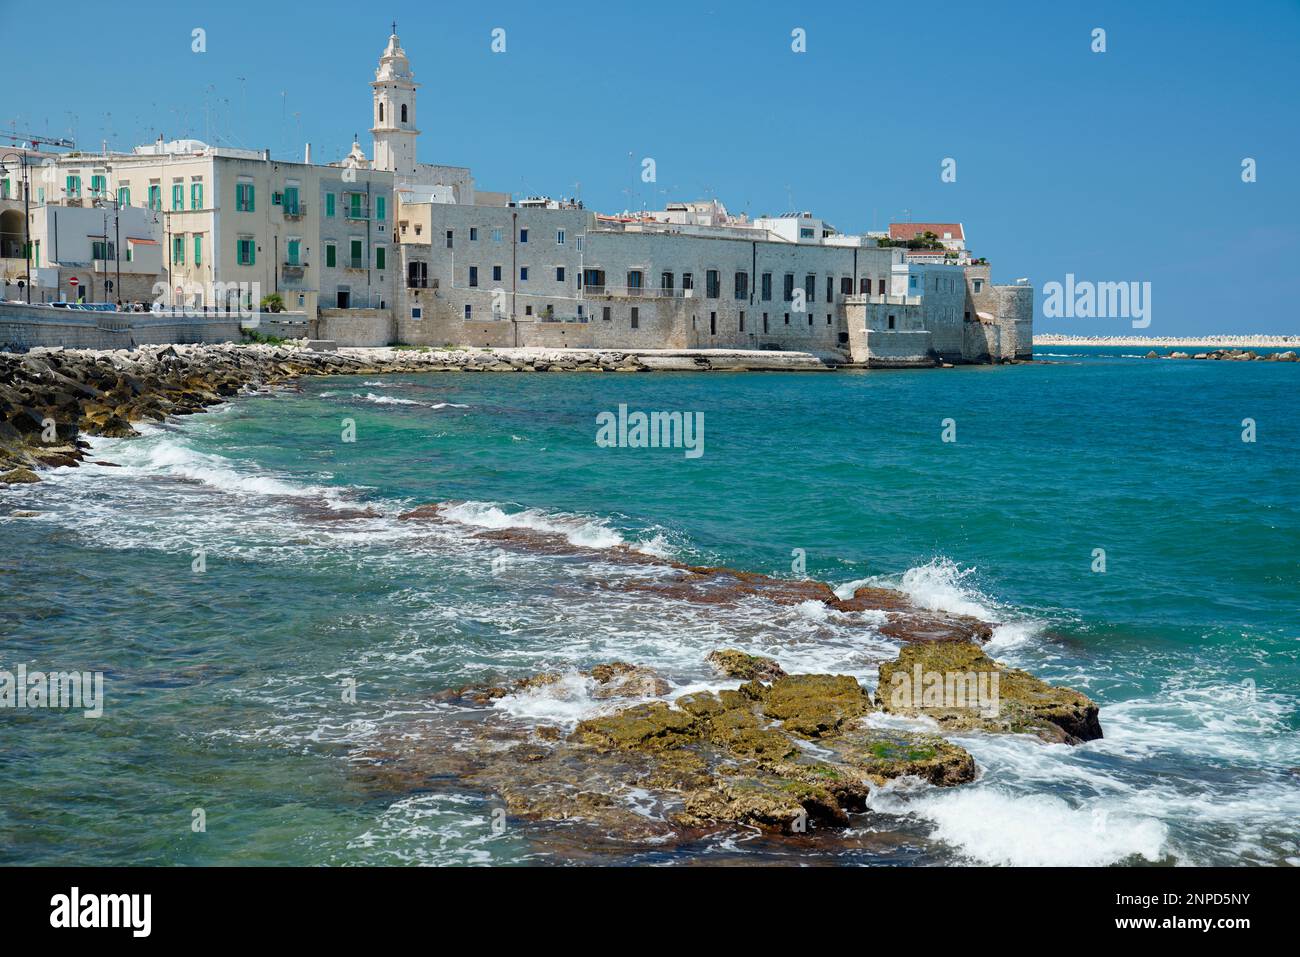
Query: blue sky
{"points": [[1115, 166]]}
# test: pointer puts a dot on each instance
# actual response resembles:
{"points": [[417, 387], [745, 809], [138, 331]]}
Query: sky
{"points": [[1115, 166]]}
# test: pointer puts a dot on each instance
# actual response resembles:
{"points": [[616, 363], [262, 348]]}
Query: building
{"points": [[389, 249]]}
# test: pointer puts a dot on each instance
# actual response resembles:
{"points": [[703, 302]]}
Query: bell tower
{"points": [[394, 131]]}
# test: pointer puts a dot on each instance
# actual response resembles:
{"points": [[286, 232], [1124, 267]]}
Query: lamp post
{"points": [[27, 232]]}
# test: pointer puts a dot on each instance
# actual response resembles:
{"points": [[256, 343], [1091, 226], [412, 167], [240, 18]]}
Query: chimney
{"points": [[306, 156]]}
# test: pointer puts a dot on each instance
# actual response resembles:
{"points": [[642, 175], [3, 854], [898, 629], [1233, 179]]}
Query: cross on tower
{"points": [[394, 28]]}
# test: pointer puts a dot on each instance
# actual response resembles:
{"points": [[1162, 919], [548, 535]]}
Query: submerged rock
{"points": [[964, 689], [18, 476]]}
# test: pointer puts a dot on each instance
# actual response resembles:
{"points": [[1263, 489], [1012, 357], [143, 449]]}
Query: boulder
{"points": [[738, 664]]}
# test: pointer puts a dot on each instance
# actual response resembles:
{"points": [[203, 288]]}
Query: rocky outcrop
{"points": [[963, 689], [737, 664]]}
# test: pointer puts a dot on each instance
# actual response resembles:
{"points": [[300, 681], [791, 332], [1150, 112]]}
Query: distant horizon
{"points": [[1122, 165]]}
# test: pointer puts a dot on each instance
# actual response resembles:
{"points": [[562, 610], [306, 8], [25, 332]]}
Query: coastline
{"points": [[1255, 341]]}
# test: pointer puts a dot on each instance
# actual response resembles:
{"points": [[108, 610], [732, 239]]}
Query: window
{"points": [[528, 310], [764, 322], [450, 235], [604, 313], [523, 235], [636, 317], [846, 285], [788, 291], [559, 274], [830, 288], [417, 313], [713, 323], [292, 249], [880, 286], [496, 235], [473, 234], [178, 249], [523, 273], [403, 112], [357, 259], [864, 287], [243, 197], [810, 287], [178, 196], [381, 207], [198, 249], [767, 287], [196, 194], [711, 284], [74, 187], [245, 253], [124, 196], [978, 284], [290, 200], [473, 276], [666, 281], [891, 322], [331, 255], [496, 273], [742, 320], [634, 279], [381, 257], [329, 204], [381, 111], [688, 281], [355, 208], [559, 237], [469, 311], [828, 318], [806, 232], [98, 186], [4, 189], [911, 282], [102, 249], [787, 318], [742, 285]]}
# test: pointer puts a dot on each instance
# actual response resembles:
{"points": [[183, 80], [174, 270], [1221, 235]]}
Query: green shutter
{"points": [[330, 254], [124, 196], [198, 249], [379, 257], [329, 204], [380, 203], [293, 252], [356, 251]]}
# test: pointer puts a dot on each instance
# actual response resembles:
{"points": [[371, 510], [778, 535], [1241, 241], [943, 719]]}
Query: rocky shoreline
{"points": [[1231, 355], [50, 398], [1252, 341]]}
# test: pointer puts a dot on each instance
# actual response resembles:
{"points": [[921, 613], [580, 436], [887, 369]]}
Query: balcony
{"points": [[356, 212], [295, 212], [636, 292], [355, 264], [419, 282], [293, 270]]}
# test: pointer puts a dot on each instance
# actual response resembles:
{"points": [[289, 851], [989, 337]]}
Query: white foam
{"points": [[1029, 830], [579, 531]]}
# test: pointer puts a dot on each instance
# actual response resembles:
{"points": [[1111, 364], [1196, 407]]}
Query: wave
{"points": [[578, 530]]}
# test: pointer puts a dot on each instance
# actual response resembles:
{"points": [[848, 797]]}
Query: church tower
{"points": [[394, 114]]}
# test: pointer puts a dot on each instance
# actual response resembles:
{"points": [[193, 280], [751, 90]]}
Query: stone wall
{"points": [[27, 327], [356, 327]]}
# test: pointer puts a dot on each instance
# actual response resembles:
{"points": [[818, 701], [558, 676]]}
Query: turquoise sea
{"points": [[223, 685]]}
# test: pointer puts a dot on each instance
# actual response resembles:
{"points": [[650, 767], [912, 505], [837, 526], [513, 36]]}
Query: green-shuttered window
{"points": [[355, 199], [291, 254], [178, 249], [198, 249], [74, 187], [124, 196], [357, 261], [178, 196], [244, 197], [381, 206], [331, 254], [379, 257], [291, 200], [329, 204], [155, 197], [98, 186], [196, 195], [246, 252]]}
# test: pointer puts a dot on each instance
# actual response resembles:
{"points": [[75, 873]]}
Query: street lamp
{"points": [[111, 197], [27, 237]]}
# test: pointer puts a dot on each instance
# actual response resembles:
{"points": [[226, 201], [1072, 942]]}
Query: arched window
{"points": [[403, 112], [381, 111]]}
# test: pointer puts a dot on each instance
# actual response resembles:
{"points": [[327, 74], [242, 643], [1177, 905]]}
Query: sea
{"points": [[262, 618]]}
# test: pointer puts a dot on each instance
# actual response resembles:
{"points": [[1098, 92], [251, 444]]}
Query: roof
{"points": [[914, 230]]}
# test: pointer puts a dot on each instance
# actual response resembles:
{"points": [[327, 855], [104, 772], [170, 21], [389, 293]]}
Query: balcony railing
{"points": [[638, 292], [419, 282], [356, 212], [295, 212], [354, 264]]}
